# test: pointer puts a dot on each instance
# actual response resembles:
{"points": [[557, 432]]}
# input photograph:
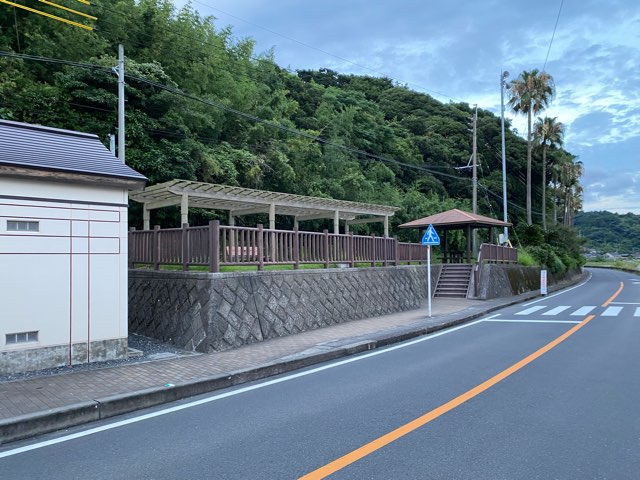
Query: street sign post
{"points": [[429, 238], [543, 282]]}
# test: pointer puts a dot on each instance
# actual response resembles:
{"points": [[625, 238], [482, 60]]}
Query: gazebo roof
{"points": [[456, 218], [244, 201]]}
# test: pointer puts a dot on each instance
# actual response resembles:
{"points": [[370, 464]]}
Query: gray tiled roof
{"points": [[35, 146]]}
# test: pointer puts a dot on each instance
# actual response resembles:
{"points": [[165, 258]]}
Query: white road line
{"points": [[583, 311], [611, 312], [531, 310], [637, 313], [624, 303], [532, 321], [557, 310], [559, 293], [250, 388]]}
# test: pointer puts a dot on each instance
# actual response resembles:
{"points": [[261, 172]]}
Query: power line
{"points": [[553, 35], [36, 58], [176, 91], [314, 138], [53, 17]]}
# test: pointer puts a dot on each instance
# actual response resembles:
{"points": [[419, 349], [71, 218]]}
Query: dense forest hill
{"points": [[246, 121], [608, 232]]}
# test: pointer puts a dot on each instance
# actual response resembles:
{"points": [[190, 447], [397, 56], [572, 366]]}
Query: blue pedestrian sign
{"points": [[430, 237]]}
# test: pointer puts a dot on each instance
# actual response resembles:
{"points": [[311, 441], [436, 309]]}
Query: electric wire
{"points": [[176, 91], [553, 35]]}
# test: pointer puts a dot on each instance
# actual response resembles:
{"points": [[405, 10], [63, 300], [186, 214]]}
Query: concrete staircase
{"points": [[454, 280]]}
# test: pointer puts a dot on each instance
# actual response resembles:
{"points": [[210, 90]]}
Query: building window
{"points": [[22, 226], [22, 337]]}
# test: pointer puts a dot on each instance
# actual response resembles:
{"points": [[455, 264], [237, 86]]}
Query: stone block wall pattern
{"points": [[498, 280], [214, 312]]}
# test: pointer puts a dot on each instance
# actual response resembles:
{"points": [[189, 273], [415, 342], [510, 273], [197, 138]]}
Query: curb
{"points": [[25, 426]]}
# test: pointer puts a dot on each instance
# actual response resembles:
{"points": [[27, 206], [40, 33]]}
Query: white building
{"points": [[63, 248]]}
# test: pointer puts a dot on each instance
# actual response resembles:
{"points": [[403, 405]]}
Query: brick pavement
{"points": [[43, 393]]}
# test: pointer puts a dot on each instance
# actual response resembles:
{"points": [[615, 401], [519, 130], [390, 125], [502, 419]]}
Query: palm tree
{"points": [[557, 172], [570, 178], [529, 94], [548, 132]]}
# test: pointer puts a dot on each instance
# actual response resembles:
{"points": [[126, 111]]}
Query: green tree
{"points": [[529, 94], [548, 132]]}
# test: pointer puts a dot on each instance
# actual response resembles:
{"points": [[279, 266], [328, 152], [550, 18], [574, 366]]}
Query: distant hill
{"points": [[609, 232]]}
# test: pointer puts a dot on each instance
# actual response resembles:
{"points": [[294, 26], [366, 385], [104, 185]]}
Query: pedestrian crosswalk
{"points": [[579, 311]]}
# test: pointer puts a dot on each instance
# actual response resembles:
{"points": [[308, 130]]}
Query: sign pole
{"points": [[429, 238], [429, 277]]}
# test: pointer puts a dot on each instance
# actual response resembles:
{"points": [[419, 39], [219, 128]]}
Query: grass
{"points": [[525, 258], [621, 264]]}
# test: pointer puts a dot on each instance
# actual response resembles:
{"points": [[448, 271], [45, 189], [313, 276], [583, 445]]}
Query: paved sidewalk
{"points": [[43, 404]]}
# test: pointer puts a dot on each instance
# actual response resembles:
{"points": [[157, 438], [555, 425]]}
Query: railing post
{"points": [[296, 248], [185, 247], [260, 247], [396, 246], [130, 252], [350, 250], [374, 257], [325, 239], [214, 246], [156, 247], [384, 251]]}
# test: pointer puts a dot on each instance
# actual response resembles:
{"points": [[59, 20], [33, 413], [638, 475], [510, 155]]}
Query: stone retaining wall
{"points": [[214, 312], [498, 280]]}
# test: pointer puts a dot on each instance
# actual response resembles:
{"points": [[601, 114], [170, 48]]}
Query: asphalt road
{"points": [[500, 398]]}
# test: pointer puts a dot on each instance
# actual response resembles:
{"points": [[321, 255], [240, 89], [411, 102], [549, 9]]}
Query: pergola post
{"points": [[272, 226], [232, 237], [346, 227], [272, 216], [386, 226], [184, 209], [468, 243], [146, 217], [336, 222], [296, 223]]}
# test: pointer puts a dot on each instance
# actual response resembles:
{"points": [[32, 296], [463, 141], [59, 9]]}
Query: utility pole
{"points": [[503, 77], [474, 177], [121, 103]]}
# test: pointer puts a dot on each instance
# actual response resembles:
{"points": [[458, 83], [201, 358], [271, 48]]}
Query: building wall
{"points": [[213, 312], [67, 281]]}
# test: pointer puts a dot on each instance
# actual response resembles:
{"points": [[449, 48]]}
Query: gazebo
{"points": [[240, 201], [456, 220]]}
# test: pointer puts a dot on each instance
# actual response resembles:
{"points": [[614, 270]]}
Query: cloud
{"points": [[457, 49]]}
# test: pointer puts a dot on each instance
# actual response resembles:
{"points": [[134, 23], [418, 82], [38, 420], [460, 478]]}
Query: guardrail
{"points": [[217, 245]]}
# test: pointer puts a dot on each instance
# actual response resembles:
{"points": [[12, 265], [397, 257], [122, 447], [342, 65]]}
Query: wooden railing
{"points": [[216, 245], [490, 253]]}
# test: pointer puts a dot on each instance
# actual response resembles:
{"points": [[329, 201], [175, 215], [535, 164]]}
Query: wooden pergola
{"points": [[456, 220], [240, 201]]}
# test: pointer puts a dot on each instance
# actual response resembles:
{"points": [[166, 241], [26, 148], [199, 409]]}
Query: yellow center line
{"points": [[399, 432], [612, 298]]}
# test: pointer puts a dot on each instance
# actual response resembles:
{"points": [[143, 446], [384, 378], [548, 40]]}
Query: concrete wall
{"points": [[214, 312], [499, 280], [68, 280]]}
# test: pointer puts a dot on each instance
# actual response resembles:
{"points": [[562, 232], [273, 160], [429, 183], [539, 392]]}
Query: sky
{"points": [[455, 50]]}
